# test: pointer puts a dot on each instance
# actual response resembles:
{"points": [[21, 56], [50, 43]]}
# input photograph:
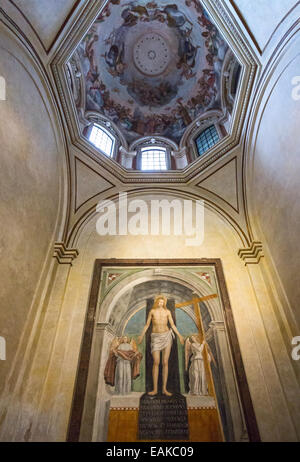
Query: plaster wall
{"points": [[30, 192], [263, 371]]}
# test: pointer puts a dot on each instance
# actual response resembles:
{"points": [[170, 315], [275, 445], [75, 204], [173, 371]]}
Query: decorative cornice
{"points": [[126, 153], [181, 153], [63, 255], [133, 408], [199, 408], [252, 255], [217, 325], [106, 327]]}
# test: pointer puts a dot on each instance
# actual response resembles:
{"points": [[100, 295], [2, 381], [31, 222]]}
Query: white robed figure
{"points": [[197, 375], [123, 370], [122, 365]]}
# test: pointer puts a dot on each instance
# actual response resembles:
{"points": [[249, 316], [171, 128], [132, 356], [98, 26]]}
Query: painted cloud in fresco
{"points": [[152, 68]]}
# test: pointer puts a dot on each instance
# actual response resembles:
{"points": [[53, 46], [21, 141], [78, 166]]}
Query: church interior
{"points": [[115, 106]]}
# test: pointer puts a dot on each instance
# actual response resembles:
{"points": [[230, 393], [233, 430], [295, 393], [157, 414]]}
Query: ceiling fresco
{"points": [[151, 67]]}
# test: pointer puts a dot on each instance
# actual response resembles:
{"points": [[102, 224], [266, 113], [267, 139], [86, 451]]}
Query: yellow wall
{"points": [[30, 176]]}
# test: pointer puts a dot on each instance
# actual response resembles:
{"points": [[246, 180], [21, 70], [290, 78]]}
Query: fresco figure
{"points": [[114, 58], [161, 341], [175, 17], [114, 84], [196, 371], [123, 365]]}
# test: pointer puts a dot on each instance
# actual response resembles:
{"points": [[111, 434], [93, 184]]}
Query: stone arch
{"points": [[90, 215], [112, 297]]}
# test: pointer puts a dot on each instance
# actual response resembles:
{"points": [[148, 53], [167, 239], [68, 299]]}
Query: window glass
{"points": [[153, 158], [102, 139], [207, 139]]}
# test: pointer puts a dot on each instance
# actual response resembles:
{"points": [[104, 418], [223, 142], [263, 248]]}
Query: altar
{"points": [[123, 419]]}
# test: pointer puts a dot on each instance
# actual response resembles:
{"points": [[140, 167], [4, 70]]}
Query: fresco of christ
{"points": [[161, 341]]}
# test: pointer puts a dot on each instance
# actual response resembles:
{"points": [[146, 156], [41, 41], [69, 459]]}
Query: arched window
{"points": [[153, 158], [102, 139], [207, 139]]}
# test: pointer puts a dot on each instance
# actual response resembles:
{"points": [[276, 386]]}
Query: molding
{"points": [[247, 28], [181, 153], [252, 255], [263, 47], [199, 408], [276, 65], [58, 33], [89, 214], [63, 255], [127, 153], [131, 408], [158, 140], [217, 326], [105, 327]]}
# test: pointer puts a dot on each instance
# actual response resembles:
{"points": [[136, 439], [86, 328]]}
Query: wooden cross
{"points": [[195, 302]]}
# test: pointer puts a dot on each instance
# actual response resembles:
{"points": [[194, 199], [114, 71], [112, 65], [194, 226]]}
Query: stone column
{"points": [[227, 375], [126, 158], [23, 408], [180, 158], [39, 387], [104, 336]]}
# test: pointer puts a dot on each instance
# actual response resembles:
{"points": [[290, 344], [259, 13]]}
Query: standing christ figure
{"points": [[161, 340]]}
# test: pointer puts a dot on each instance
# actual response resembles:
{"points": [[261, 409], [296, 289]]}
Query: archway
{"points": [[125, 288]]}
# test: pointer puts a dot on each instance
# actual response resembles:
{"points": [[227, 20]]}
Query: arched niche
{"points": [[114, 301], [113, 296]]}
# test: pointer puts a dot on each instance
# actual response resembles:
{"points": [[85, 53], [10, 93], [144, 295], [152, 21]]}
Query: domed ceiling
{"points": [[151, 67]]}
